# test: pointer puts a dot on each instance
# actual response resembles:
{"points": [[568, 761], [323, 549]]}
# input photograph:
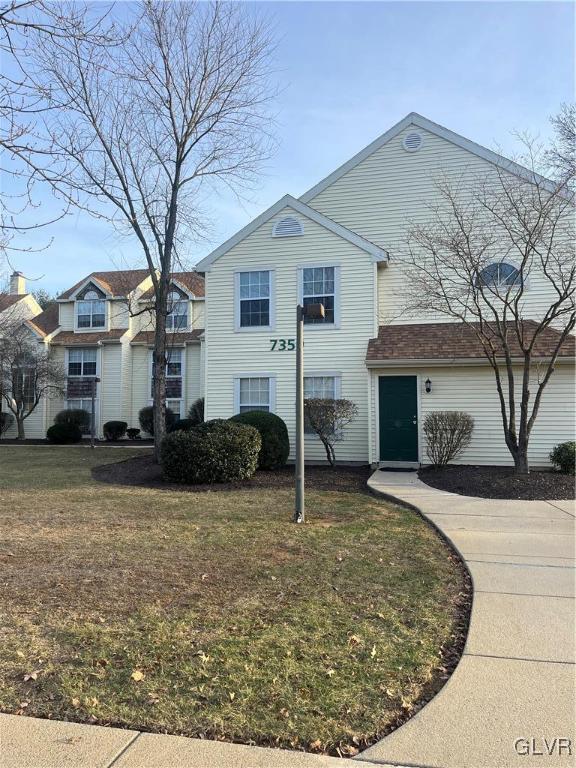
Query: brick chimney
{"points": [[17, 284]]}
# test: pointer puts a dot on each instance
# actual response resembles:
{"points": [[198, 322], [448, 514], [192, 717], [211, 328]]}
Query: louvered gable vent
{"points": [[289, 226], [412, 142]]}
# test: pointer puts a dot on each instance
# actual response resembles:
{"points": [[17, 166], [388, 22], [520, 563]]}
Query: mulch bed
{"points": [[499, 482], [143, 472]]}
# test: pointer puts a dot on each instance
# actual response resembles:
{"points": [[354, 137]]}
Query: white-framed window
{"points": [[321, 386], [500, 275], [254, 299], [320, 284], [91, 311], [177, 317], [174, 379], [82, 362], [254, 392]]}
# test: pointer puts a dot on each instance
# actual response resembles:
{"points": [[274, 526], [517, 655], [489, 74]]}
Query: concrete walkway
{"points": [[516, 679]]}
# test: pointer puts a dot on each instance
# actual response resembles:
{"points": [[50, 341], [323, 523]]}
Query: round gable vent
{"points": [[412, 142]]}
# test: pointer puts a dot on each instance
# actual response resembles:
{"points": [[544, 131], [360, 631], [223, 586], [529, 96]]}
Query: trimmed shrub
{"points": [[274, 436], [6, 421], [216, 451], [133, 433], [114, 430], [64, 433], [183, 425], [78, 416], [447, 433], [146, 419], [563, 457], [196, 411]]}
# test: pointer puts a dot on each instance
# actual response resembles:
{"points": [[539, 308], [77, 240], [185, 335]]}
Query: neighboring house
{"points": [[17, 305], [337, 245], [104, 327]]}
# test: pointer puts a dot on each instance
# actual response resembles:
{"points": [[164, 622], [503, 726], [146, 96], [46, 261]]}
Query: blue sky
{"points": [[347, 72]]}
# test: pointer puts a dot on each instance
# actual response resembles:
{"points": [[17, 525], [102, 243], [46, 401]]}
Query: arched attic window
{"points": [[91, 309], [177, 317], [288, 226], [500, 274]]}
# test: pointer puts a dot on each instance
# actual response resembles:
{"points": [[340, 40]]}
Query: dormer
{"points": [[90, 309], [178, 317]]}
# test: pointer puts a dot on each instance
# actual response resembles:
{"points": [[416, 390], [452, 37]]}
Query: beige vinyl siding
{"points": [[229, 353], [140, 382], [193, 383], [110, 388], [66, 316], [383, 194], [119, 314], [472, 389]]}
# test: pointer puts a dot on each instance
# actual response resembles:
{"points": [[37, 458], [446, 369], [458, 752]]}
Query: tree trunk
{"points": [[521, 466], [159, 386], [21, 434]]}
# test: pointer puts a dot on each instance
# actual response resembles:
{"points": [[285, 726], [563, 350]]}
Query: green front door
{"points": [[398, 407]]}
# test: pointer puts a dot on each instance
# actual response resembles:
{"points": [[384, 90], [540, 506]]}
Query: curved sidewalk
{"points": [[511, 700]]}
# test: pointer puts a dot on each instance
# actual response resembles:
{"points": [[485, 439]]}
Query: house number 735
{"points": [[282, 345]]}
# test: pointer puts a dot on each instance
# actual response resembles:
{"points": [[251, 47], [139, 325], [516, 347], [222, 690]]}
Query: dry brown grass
{"points": [[244, 626]]}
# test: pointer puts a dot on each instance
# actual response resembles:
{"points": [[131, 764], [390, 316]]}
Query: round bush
{"points": [[64, 433], [274, 435], [146, 419], [115, 430], [133, 433], [563, 457], [78, 416], [213, 452], [183, 425], [196, 411]]}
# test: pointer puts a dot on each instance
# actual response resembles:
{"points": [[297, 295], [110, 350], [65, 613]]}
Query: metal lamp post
{"points": [[313, 311]]}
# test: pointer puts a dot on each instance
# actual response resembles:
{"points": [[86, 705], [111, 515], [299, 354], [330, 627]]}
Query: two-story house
{"points": [[103, 328], [338, 245]]}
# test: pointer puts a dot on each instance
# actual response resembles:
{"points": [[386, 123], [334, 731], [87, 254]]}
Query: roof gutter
{"points": [[448, 361]]}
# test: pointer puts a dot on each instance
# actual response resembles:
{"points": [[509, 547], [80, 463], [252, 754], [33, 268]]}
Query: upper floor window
{"points": [[177, 317], [500, 275], [254, 298], [91, 310], [319, 286], [173, 376], [82, 362]]}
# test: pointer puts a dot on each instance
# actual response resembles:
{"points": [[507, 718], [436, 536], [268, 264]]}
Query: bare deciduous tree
{"points": [[562, 154], [27, 374], [142, 130], [448, 433], [21, 101], [328, 417], [489, 242]]}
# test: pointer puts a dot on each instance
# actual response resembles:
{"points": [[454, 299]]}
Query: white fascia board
{"points": [[428, 125], [378, 254]]}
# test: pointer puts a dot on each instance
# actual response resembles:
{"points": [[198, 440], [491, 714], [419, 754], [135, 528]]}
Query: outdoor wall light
{"points": [[428, 386]]}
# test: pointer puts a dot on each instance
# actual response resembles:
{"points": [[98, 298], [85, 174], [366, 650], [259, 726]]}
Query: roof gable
{"points": [[419, 121], [377, 253], [9, 299], [116, 283], [46, 322], [190, 283]]}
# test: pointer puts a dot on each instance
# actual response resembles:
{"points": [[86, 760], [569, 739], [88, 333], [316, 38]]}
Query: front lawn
{"points": [[209, 614]]}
